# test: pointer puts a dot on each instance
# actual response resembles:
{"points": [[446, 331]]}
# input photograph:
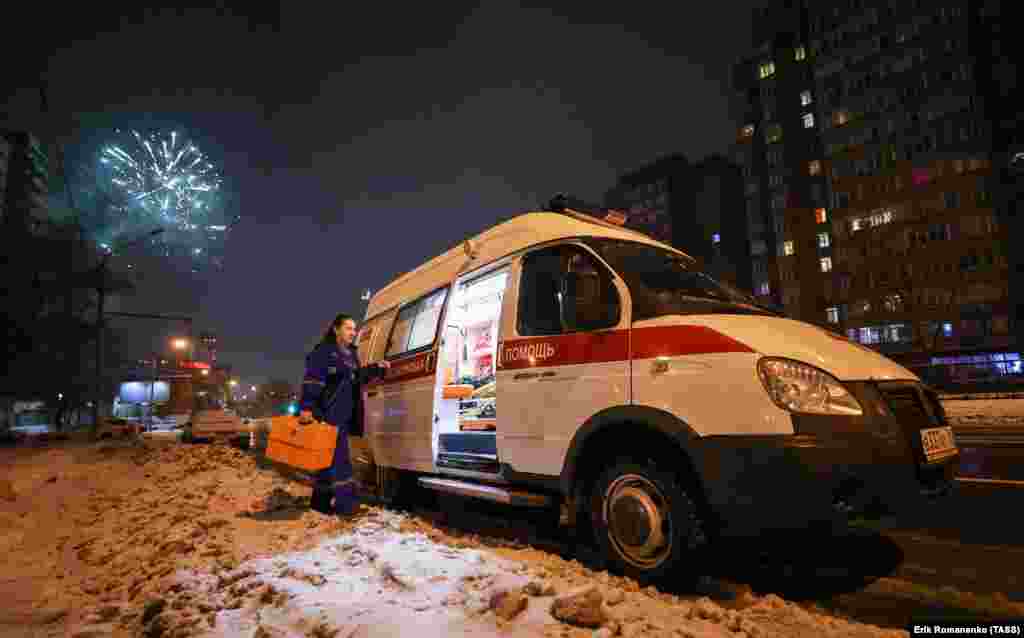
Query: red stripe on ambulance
{"points": [[575, 349], [614, 345], [420, 365], [565, 350], [675, 341]]}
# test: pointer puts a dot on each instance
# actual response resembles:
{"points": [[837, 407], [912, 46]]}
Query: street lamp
{"points": [[253, 388], [205, 372], [233, 383], [179, 343]]}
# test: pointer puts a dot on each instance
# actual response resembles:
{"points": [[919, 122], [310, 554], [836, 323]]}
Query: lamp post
{"points": [[101, 294], [177, 344], [365, 297]]}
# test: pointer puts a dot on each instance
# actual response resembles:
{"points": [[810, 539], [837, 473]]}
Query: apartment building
{"points": [[880, 182], [696, 207]]}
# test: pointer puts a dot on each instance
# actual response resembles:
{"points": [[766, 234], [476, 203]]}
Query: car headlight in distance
{"points": [[798, 387]]}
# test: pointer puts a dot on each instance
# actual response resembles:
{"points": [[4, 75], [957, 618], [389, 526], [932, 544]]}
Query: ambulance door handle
{"points": [[523, 376], [550, 374]]}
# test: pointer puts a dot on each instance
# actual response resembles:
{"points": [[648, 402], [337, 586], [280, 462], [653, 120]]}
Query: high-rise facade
{"points": [[867, 146], [695, 207], [24, 174]]}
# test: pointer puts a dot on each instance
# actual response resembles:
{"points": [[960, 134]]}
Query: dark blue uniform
{"points": [[331, 366]]}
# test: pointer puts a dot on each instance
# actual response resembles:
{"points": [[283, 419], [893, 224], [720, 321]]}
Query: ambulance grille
{"points": [[904, 402]]}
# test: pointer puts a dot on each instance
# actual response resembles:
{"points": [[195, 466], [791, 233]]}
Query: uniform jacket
{"points": [[329, 364]]}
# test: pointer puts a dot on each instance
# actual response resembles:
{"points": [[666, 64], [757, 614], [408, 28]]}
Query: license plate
{"points": [[938, 443]]}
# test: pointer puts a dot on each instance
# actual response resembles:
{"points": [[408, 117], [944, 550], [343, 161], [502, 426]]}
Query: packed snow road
{"points": [[155, 538]]}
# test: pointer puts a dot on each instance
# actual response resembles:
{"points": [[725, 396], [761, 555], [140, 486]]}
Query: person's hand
{"points": [[385, 365], [305, 417]]}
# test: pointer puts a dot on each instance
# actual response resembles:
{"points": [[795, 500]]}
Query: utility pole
{"points": [[101, 294]]}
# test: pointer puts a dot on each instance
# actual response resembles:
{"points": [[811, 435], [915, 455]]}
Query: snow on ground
{"points": [[985, 412], [160, 539], [394, 575]]}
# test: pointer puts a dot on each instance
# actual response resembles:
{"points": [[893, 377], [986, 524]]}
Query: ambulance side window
{"points": [[416, 326], [565, 290]]}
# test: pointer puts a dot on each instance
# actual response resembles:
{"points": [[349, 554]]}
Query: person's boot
{"points": [[321, 500], [346, 499]]}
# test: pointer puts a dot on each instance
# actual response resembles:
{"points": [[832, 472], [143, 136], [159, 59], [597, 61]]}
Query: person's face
{"points": [[346, 332]]}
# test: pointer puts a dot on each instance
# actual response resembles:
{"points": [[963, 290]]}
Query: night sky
{"points": [[363, 140]]}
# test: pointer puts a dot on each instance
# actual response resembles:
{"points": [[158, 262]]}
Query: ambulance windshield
{"points": [[664, 283]]}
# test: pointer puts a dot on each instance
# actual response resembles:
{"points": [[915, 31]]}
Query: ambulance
{"points": [[559, 360]]}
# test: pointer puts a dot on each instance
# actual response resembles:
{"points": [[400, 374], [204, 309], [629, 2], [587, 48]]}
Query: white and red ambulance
{"points": [[560, 360]]}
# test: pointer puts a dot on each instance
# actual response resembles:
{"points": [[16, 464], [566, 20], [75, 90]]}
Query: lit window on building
{"points": [[832, 314], [870, 335], [805, 98], [788, 248], [893, 303], [766, 69], [839, 118], [814, 167], [747, 131], [800, 54], [820, 215], [896, 333], [764, 289], [823, 240], [808, 119], [773, 133], [947, 329], [921, 176], [875, 219], [826, 264], [716, 238]]}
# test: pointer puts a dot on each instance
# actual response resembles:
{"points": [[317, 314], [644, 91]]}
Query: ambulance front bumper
{"points": [[832, 467]]}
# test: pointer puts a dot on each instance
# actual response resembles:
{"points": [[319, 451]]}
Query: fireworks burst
{"points": [[168, 177]]}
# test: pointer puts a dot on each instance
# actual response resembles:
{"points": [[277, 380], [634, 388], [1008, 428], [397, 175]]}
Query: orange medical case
{"points": [[306, 447]]}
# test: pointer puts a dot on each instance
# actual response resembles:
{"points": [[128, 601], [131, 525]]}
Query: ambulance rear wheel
{"points": [[646, 522]]}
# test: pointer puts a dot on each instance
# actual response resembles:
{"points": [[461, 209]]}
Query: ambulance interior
{"points": [[466, 399]]}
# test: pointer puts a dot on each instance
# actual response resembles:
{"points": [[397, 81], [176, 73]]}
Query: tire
{"points": [[626, 501]]}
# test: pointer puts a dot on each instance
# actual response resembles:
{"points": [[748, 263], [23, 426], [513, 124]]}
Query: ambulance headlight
{"points": [[798, 387]]}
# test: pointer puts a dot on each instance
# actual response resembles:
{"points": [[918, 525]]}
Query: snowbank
{"points": [[985, 412], [157, 539]]}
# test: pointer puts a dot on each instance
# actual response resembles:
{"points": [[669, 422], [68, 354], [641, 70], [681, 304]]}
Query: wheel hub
{"points": [[639, 524]]}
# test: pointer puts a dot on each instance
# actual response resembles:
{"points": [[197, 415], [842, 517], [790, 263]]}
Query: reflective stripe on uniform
{"points": [[312, 382]]}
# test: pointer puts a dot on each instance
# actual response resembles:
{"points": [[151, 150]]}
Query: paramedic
{"points": [[332, 392]]}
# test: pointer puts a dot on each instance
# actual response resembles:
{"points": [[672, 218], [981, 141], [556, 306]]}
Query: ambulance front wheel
{"points": [[646, 522]]}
